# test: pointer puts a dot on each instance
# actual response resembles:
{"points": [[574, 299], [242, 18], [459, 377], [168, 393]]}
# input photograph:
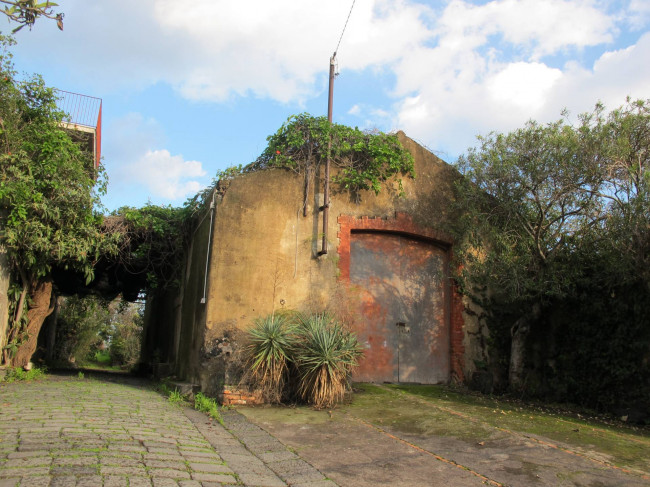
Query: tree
{"points": [[48, 194], [82, 325], [529, 198], [25, 12], [90, 324], [125, 333], [151, 243], [625, 165]]}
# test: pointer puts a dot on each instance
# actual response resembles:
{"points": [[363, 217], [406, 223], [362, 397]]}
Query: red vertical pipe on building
{"points": [[326, 190], [98, 137]]}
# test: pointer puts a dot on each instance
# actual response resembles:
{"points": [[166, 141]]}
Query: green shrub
{"points": [[308, 357], [19, 374], [269, 354], [325, 357]]}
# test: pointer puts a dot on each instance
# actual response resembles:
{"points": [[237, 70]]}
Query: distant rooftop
{"points": [[83, 117]]}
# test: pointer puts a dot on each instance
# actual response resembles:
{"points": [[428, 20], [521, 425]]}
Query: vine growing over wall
{"points": [[365, 159]]}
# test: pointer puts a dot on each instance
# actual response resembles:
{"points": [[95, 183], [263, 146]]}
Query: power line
{"points": [[344, 27]]}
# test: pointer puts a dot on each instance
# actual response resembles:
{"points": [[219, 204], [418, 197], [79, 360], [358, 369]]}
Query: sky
{"points": [[190, 87]]}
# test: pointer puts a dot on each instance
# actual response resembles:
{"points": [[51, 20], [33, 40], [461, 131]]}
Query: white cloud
{"points": [[614, 76], [166, 176], [490, 69], [218, 49], [277, 49], [459, 67], [523, 85], [639, 13], [539, 27], [354, 110], [137, 166]]}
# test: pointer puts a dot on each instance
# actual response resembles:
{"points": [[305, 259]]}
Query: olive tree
{"points": [[534, 198]]}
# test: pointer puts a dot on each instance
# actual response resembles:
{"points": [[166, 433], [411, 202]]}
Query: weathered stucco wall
{"points": [[174, 321], [190, 326], [264, 257], [265, 252]]}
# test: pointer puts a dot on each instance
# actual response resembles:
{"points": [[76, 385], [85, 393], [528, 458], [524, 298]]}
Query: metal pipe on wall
{"points": [[213, 204]]}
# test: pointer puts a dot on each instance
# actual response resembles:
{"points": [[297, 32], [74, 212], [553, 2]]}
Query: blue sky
{"points": [[192, 87]]}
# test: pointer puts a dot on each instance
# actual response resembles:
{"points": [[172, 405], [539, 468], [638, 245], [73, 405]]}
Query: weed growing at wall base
{"points": [[207, 405], [19, 374]]}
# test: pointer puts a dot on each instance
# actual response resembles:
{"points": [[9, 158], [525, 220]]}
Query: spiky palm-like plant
{"points": [[272, 339], [325, 356]]}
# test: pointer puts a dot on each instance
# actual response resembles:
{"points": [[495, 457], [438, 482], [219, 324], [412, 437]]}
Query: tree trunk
{"points": [[4, 297], [39, 309], [51, 329], [519, 332]]}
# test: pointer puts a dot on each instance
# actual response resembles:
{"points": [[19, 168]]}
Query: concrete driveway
{"points": [[389, 436]]}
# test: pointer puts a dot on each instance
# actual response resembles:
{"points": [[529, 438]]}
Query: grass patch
{"points": [[175, 398], [471, 417], [102, 357], [207, 405], [19, 374], [397, 410]]}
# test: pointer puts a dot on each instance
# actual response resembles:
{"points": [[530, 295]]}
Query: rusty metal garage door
{"points": [[404, 308]]}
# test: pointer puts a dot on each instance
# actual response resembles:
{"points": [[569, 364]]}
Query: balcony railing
{"points": [[83, 114]]}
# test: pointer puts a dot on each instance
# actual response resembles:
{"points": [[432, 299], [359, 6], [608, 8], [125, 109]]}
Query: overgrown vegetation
{"points": [[555, 245], [151, 240], [15, 374], [91, 331], [306, 357], [48, 196], [366, 160], [201, 402]]}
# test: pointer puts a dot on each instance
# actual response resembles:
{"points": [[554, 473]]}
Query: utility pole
{"points": [[330, 103], [326, 189]]}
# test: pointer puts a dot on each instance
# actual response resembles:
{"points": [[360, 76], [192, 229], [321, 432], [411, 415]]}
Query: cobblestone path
{"points": [[71, 432]]}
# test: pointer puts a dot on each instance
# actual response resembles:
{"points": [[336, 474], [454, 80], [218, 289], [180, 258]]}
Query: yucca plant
{"points": [[325, 356], [272, 339]]}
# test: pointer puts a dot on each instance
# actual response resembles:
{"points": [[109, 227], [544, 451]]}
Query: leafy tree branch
{"points": [[25, 12]]}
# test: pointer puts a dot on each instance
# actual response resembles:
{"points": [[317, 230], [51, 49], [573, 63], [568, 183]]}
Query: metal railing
{"points": [[83, 112], [80, 109]]}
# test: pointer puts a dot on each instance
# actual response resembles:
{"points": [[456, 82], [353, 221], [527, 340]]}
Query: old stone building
{"points": [[386, 273]]}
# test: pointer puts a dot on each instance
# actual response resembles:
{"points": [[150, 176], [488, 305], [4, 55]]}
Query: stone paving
{"points": [[72, 432]]}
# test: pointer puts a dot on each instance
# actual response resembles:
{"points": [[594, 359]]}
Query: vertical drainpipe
{"points": [[326, 190], [213, 205], [98, 138]]}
